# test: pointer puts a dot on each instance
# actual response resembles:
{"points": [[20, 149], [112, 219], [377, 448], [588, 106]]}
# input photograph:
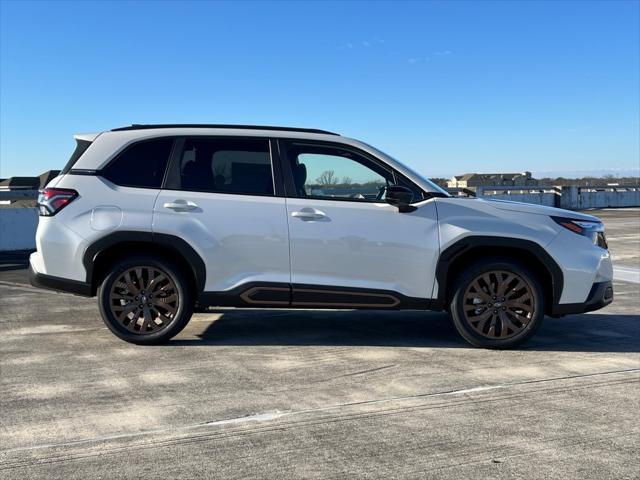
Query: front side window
{"points": [[140, 165], [335, 173], [222, 165]]}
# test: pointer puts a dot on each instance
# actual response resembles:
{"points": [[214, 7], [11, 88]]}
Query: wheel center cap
{"points": [[497, 304], [143, 299]]}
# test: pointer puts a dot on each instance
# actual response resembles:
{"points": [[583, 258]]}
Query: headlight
{"points": [[593, 230]]}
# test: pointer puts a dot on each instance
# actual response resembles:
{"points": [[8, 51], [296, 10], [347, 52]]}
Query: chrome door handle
{"points": [[181, 205], [308, 214]]}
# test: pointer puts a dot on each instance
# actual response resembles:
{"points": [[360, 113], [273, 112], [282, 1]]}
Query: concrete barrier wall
{"points": [[18, 228], [579, 198], [550, 199], [570, 198]]}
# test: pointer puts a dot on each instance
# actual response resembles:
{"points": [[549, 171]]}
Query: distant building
{"points": [[469, 180], [28, 183]]}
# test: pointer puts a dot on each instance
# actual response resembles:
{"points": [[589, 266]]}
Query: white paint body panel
{"points": [[582, 263], [59, 251], [462, 217], [105, 218], [241, 238], [63, 238], [364, 245]]}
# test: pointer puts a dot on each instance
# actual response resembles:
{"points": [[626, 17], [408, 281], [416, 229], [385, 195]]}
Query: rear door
{"points": [[222, 197]]}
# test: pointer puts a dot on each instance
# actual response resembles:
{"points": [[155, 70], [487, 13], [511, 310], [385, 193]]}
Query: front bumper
{"points": [[41, 280], [601, 295]]}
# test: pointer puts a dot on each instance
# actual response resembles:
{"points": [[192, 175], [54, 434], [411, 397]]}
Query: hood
{"points": [[537, 209]]}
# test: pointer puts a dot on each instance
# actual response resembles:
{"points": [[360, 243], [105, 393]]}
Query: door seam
{"points": [[286, 210]]}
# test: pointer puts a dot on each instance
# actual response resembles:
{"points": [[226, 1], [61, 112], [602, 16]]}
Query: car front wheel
{"points": [[497, 303], [145, 300]]}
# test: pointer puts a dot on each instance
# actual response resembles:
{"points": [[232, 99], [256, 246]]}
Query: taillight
{"points": [[52, 200]]}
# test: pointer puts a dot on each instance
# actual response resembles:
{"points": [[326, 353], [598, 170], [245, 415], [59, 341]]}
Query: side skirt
{"points": [[283, 295]]}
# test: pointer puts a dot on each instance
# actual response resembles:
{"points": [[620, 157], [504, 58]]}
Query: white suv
{"points": [[157, 220]]}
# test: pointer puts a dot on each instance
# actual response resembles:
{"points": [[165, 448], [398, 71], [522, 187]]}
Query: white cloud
{"points": [[364, 43], [443, 52]]}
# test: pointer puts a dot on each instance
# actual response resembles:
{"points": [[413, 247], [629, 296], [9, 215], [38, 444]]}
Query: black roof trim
{"points": [[137, 126]]}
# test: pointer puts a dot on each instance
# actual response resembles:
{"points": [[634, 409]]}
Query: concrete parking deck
{"points": [[279, 394]]}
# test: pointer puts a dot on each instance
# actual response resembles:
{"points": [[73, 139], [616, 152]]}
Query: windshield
{"points": [[426, 183]]}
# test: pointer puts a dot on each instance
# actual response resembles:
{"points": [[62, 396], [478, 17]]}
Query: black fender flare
{"points": [[451, 253], [169, 242]]}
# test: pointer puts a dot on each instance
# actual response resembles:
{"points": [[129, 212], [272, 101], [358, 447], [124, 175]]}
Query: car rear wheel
{"points": [[497, 303], [145, 300]]}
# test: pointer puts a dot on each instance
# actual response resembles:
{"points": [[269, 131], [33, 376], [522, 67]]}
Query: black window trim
{"points": [[273, 128], [100, 172], [288, 174], [173, 180]]}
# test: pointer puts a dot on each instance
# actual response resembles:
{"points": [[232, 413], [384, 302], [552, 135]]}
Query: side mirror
{"points": [[400, 197]]}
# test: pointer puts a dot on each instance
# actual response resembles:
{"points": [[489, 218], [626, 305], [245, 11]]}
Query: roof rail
{"points": [[137, 126]]}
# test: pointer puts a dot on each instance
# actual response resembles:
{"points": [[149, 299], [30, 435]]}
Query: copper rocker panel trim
{"points": [[395, 301], [246, 296]]}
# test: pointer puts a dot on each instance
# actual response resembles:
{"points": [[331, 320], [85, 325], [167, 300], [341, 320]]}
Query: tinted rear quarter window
{"points": [[141, 164]]}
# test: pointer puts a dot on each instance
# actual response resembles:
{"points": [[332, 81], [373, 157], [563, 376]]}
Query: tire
{"points": [[489, 291], [155, 284]]}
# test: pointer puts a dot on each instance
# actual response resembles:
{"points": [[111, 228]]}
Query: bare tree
{"points": [[327, 178], [347, 181]]}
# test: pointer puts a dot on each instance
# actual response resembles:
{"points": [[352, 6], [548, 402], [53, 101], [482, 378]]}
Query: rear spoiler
{"points": [[87, 137]]}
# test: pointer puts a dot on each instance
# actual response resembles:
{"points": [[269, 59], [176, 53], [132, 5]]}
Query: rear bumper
{"points": [[41, 280], [601, 295]]}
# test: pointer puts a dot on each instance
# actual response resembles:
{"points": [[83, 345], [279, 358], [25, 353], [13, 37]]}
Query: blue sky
{"points": [[446, 87]]}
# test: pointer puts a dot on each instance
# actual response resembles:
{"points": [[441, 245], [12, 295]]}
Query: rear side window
{"points": [[227, 165], [140, 165]]}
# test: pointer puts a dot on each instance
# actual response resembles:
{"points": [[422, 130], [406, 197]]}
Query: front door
{"points": [[348, 246]]}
